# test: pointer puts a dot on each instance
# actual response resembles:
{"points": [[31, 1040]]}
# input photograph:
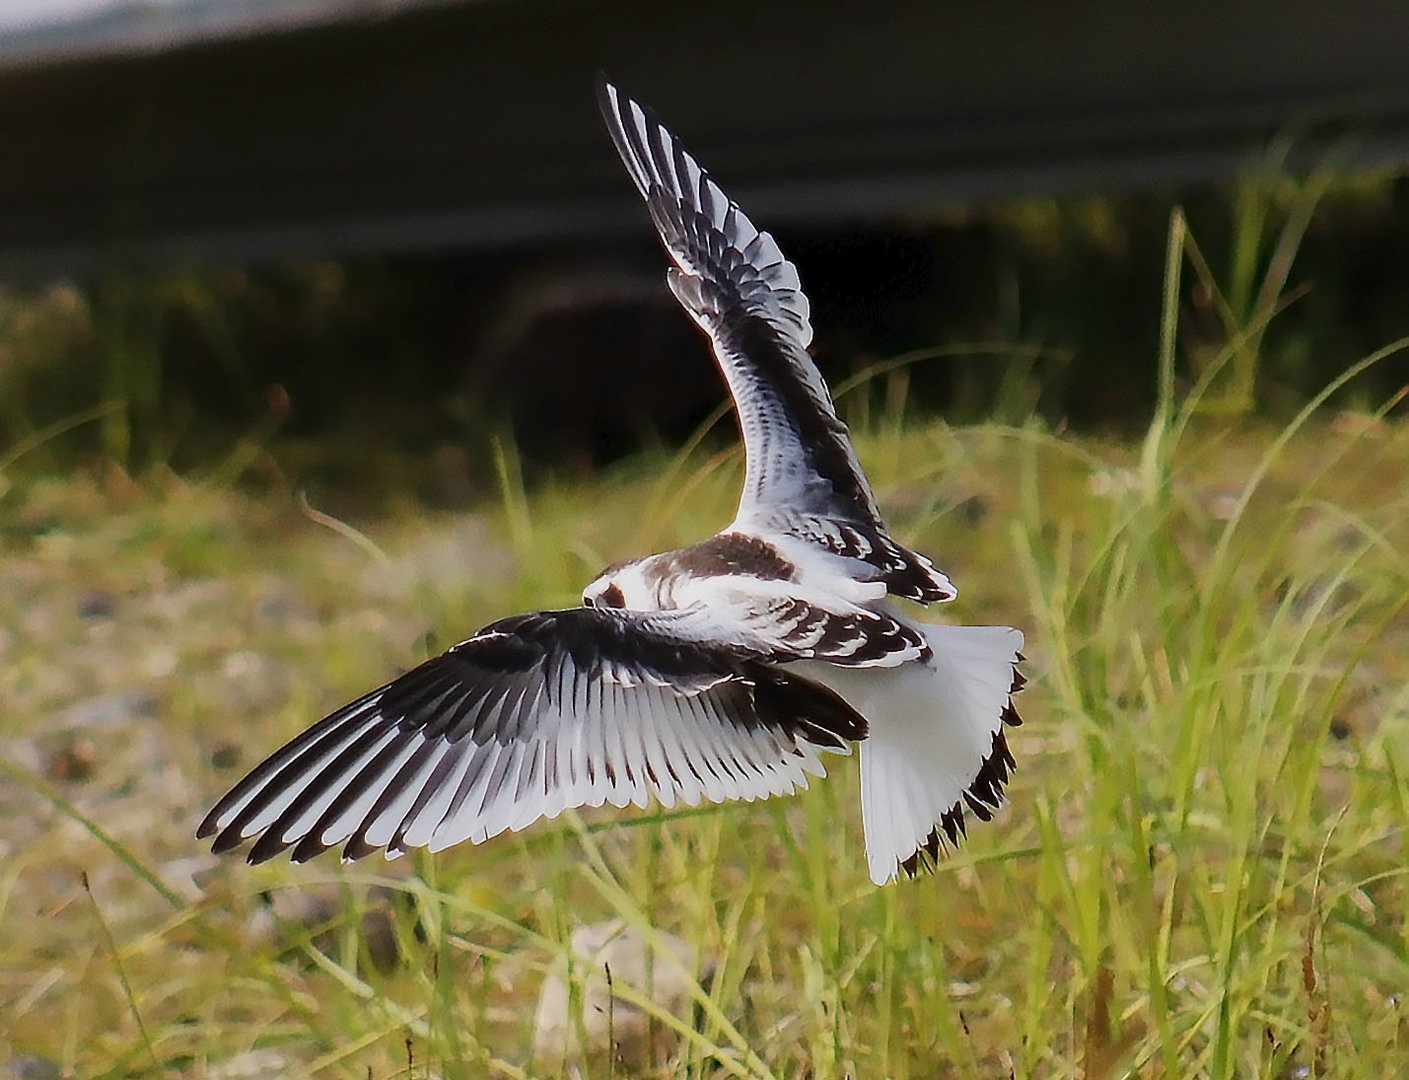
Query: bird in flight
{"points": [[719, 671]]}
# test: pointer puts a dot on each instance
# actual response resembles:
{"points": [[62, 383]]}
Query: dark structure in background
{"points": [[234, 132], [256, 129]]}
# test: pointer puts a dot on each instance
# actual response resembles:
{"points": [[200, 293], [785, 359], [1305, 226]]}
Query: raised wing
{"points": [[737, 285], [801, 472], [532, 715]]}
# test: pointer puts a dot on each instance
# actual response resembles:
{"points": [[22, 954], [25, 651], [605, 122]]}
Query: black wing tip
{"points": [[1010, 715], [950, 831], [357, 848], [905, 572], [943, 838], [269, 846], [983, 797], [915, 583], [807, 708], [858, 640], [226, 841], [993, 776]]}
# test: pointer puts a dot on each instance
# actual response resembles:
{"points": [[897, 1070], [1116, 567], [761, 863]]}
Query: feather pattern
{"points": [[723, 670], [736, 283], [532, 715], [800, 467]]}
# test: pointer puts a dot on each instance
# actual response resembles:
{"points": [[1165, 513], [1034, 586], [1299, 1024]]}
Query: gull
{"points": [[719, 671]]}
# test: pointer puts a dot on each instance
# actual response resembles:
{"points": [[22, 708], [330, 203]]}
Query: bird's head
{"points": [[621, 585]]}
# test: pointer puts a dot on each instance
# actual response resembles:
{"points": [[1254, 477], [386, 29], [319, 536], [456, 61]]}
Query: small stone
{"points": [[225, 756], [72, 762], [252, 1065], [107, 710], [973, 509], [295, 913], [307, 907], [1222, 505], [189, 874], [248, 681], [283, 605], [31, 1067], [244, 665], [379, 936], [96, 605], [636, 1040], [159, 661]]}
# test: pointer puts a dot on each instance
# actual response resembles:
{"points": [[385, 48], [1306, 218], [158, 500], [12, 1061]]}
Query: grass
{"points": [[1201, 872]]}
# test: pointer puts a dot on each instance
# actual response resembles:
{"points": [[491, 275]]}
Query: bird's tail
{"points": [[936, 748]]}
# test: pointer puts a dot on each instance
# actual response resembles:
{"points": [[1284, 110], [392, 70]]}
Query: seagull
{"points": [[719, 671]]}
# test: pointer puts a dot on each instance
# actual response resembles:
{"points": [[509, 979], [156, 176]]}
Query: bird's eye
{"points": [[611, 596]]}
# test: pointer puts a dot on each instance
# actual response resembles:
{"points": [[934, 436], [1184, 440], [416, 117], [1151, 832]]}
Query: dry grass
{"points": [[1201, 872]]}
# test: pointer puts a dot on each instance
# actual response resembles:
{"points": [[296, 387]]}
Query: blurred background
{"points": [[397, 225], [331, 330]]}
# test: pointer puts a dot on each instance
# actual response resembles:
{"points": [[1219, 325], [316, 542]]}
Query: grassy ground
{"points": [[1202, 870]]}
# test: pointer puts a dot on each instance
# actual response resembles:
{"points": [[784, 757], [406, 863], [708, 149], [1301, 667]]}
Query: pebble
{"points": [[96, 605], [108, 710], [31, 1067], [252, 1065], [72, 762]]}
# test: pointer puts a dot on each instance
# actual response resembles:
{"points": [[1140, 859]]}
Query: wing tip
{"points": [[225, 841], [268, 845], [607, 94]]}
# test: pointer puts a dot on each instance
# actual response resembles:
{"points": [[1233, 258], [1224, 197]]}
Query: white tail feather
{"points": [[932, 728]]}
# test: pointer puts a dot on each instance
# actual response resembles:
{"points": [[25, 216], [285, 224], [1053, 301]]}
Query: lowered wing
{"points": [[530, 716]]}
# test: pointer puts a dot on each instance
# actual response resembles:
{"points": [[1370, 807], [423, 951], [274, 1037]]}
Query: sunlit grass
{"points": [[1201, 872]]}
